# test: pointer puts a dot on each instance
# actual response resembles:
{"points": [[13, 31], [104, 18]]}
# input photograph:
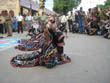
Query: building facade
{"points": [[19, 6], [10, 5]]}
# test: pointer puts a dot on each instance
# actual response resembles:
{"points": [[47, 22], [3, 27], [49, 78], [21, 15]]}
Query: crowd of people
{"points": [[95, 22], [5, 23], [10, 23]]}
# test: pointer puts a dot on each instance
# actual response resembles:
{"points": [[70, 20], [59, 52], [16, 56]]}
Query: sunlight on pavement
{"points": [[8, 43]]}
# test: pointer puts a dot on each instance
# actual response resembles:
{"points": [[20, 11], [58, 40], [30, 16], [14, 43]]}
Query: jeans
{"points": [[82, 26], [102, 30], [1, 28], [70, 25], [20, 27], [14, 26], [29, 24]]}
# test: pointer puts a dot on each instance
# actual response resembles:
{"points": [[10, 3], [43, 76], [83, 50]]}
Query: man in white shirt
{"points": [[29, 20], [70, 21], [19, 20], [63, 19], [64, 22]]}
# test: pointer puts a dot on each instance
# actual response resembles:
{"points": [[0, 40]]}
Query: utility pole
{"points": [[19, 7], [30, 6], [42, 5]]}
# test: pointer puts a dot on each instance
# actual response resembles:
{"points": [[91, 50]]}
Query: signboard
{"points": [[25, 3], [29, 4], [25, 11]]}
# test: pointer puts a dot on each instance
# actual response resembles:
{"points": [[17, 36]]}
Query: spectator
{"points": [[29, 20], [44, 19], [3, 14], [35, 17], [70, 21], [19, 20], [89, 15], [76, 17], [81, 16], [2, 21], [14, 21], [24, 23], [8, 23], [64, 22]]}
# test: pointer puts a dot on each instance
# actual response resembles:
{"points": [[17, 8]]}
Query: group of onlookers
{"points": [[10, 23], [5, 23], [95, 22]]}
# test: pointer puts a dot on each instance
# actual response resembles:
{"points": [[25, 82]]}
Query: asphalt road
{"points": [[90, 64]]}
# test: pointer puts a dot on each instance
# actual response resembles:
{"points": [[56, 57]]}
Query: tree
{"points": [[107, 4], [63, 6]]}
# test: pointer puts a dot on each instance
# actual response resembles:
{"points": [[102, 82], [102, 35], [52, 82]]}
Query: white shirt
{"points": [[107, 26], [63, 19], [19, 18], [29, 18], [2, 20]]}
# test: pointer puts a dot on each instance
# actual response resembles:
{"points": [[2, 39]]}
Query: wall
{"points": [[10, 5]]}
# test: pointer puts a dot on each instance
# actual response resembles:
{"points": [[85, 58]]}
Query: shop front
{"points": [[27, 6], [22, 6]]}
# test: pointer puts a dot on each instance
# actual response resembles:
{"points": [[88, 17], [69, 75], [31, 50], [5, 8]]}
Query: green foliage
{"points": [[63, 6], [107, 4]]}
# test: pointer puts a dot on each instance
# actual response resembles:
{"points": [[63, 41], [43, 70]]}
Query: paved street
{"points": [[90, 63]]}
